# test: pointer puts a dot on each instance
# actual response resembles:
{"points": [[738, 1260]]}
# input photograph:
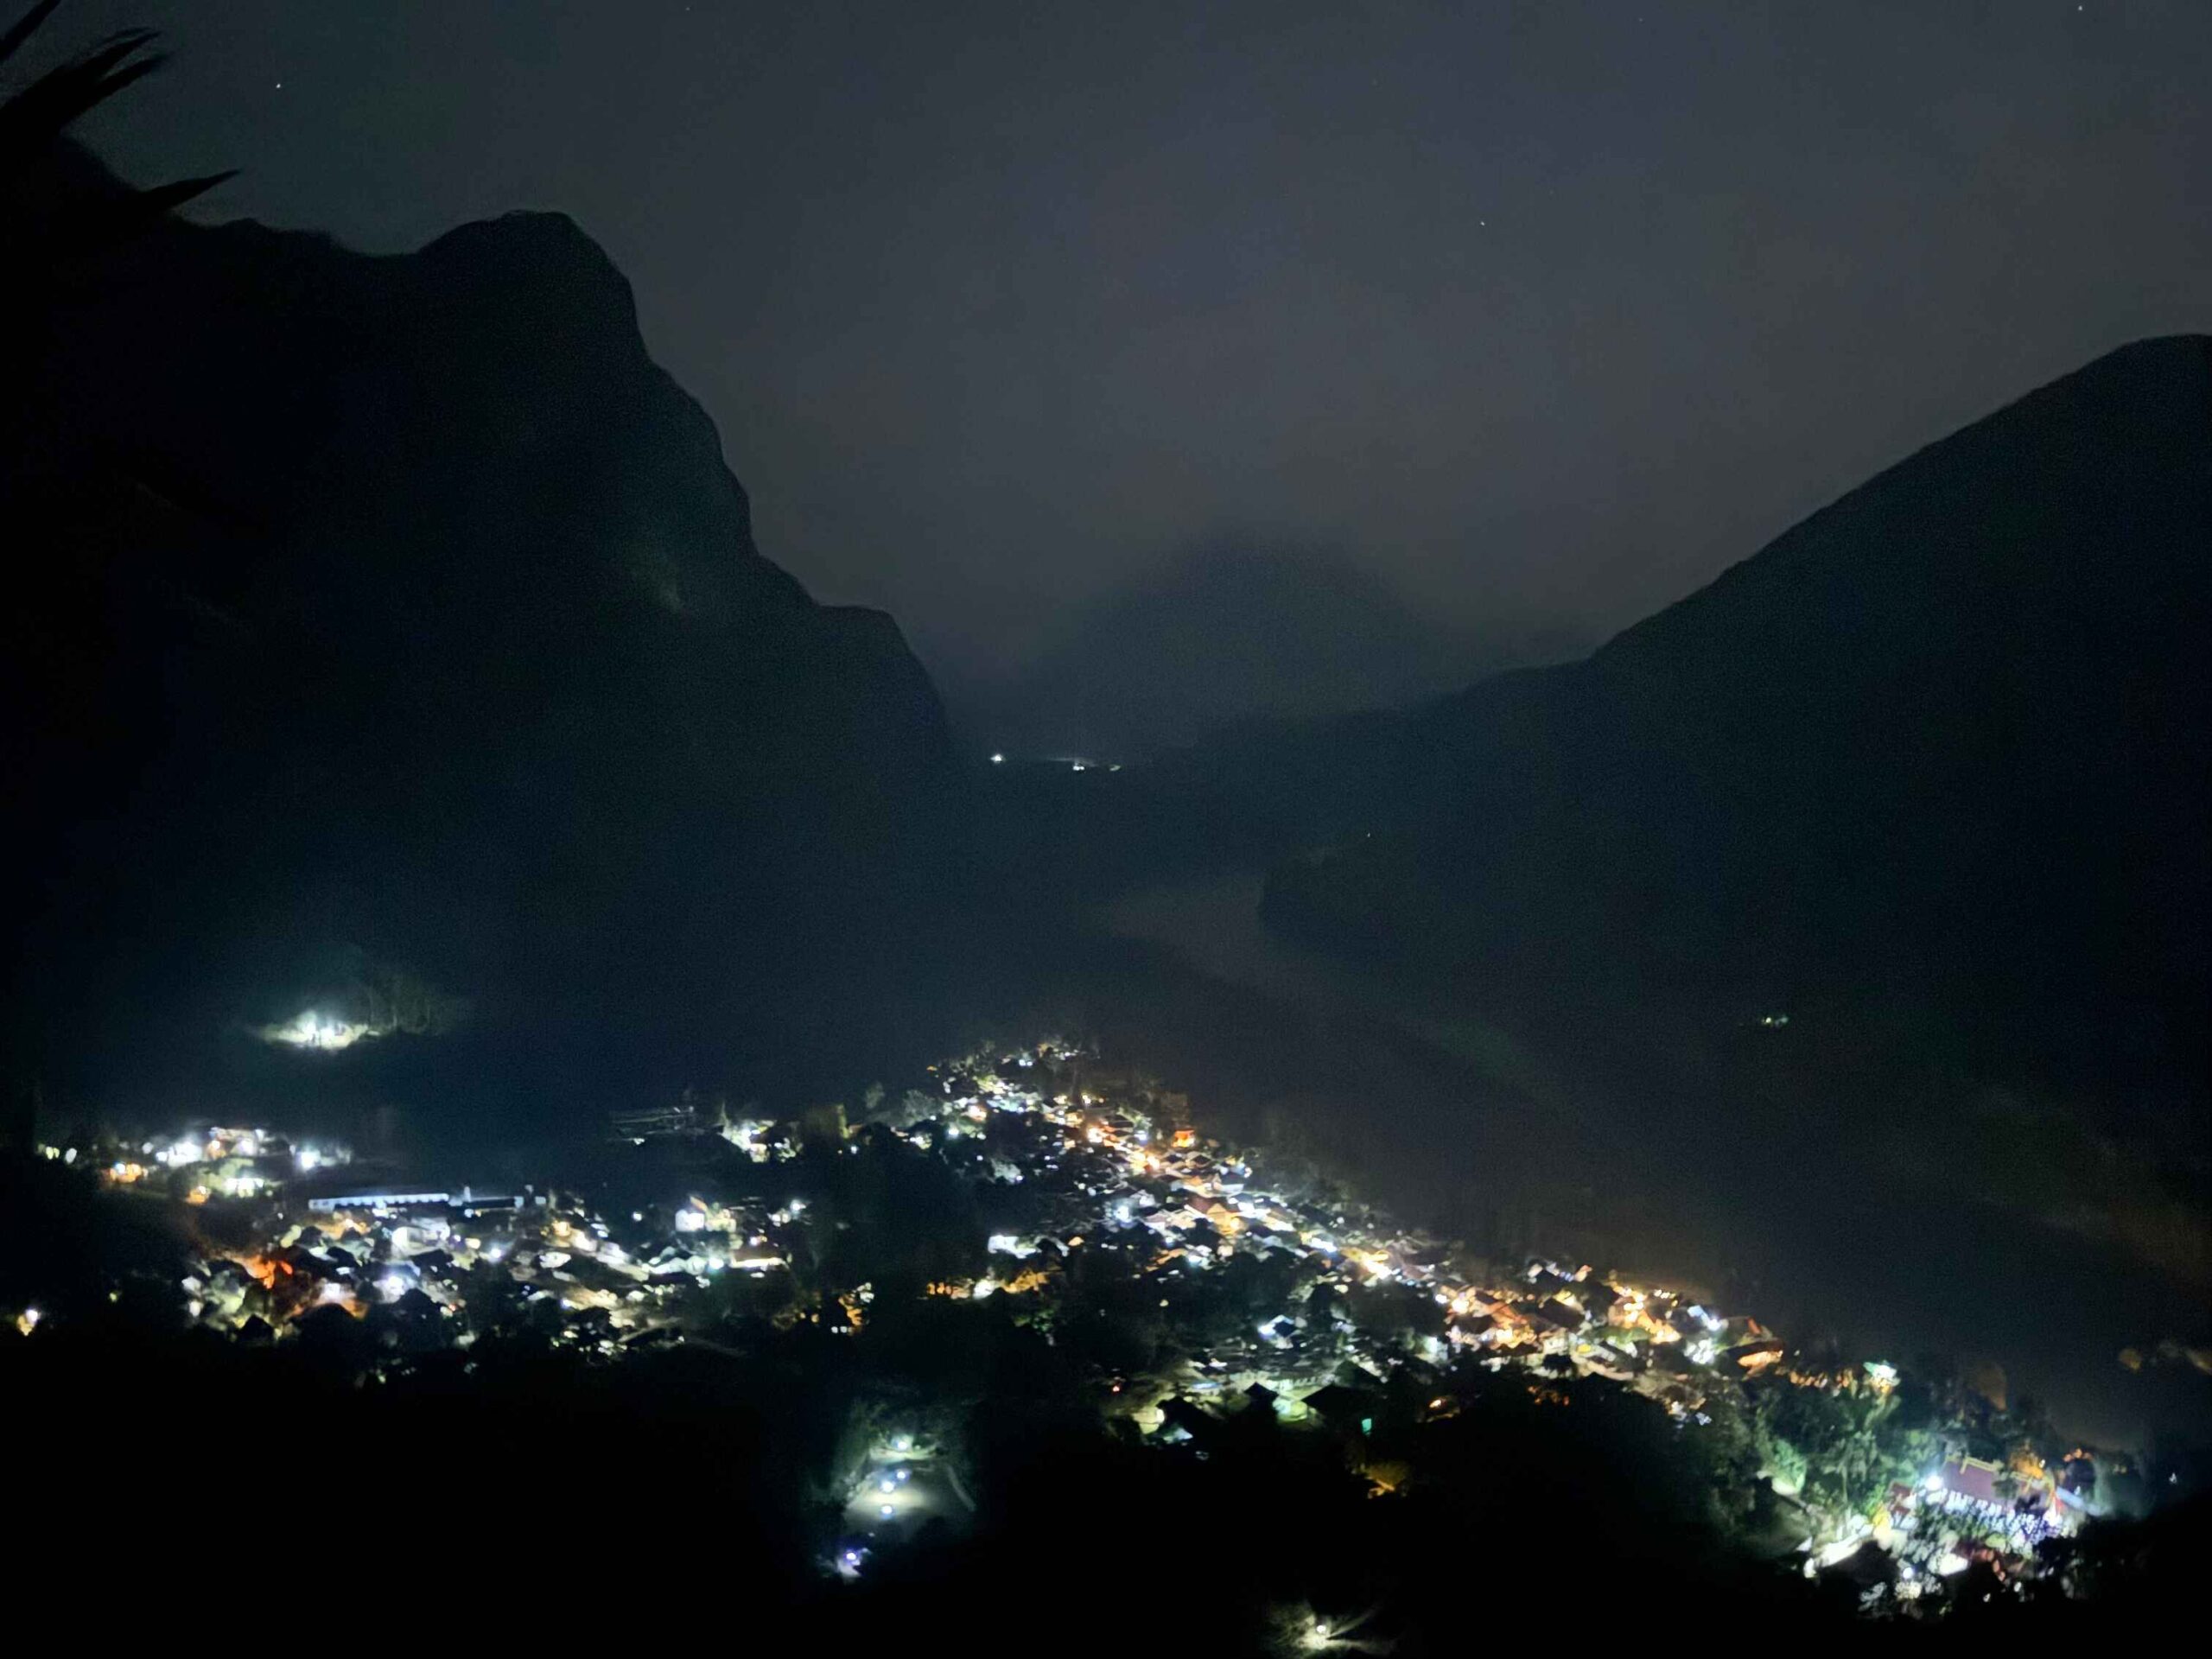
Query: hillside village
{"points": [[1201, 1289]]}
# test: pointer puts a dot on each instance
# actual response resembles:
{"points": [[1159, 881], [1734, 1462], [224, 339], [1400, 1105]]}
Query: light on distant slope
{"points": [[315, 1030]]}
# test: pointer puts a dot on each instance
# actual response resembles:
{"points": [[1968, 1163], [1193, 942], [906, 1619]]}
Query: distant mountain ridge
{"points": [[1227, 633]]}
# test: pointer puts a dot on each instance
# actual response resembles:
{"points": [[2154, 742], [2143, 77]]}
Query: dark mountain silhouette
{"points": [[1943, 747], [395, 620], [1226, 634]]}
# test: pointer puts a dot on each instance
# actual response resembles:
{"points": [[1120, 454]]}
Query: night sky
{"points": [[1544, 313]]}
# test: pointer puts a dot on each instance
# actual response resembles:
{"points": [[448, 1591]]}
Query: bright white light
{"points": [[998, 760], [690, 1221], [886, 1511], [314, 1030], [309, 1158]]}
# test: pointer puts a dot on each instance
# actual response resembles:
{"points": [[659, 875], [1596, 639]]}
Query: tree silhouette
{"points": [[49, 223]]}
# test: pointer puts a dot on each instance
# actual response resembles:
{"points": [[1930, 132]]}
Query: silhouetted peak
{"points": [[1942, 745], [1230, 631], [2185, 359], [543, 258], [2060, 489]]}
